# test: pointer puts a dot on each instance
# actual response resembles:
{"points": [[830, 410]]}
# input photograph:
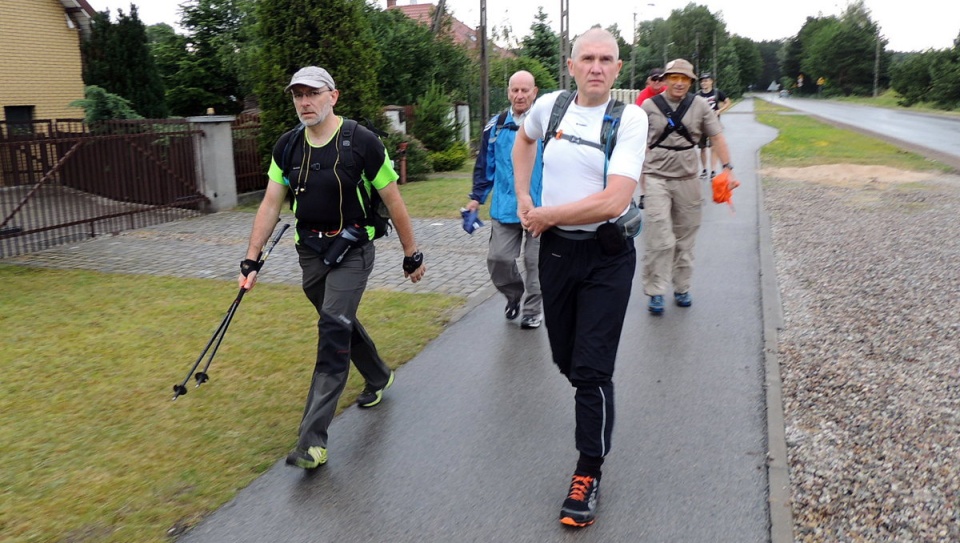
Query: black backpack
{"points": [[378, 215], [608, 131]]}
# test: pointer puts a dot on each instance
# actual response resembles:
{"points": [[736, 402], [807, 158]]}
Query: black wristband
{"points": [[248, 266], [728, 166], [411, 263]]}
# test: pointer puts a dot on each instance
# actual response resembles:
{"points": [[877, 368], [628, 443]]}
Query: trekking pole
{"points": [[201, 376]]}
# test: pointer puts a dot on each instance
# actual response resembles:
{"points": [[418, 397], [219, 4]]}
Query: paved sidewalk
{"points": [[212, 246]]}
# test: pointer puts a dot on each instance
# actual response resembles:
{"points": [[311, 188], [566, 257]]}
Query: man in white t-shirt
{"points": [[586, 263]]}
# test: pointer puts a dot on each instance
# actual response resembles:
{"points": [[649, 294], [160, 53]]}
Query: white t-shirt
{"points": [[572, 171]]}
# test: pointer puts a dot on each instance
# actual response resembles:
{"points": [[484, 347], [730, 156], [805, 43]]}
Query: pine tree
{"points": [[117, 59]]}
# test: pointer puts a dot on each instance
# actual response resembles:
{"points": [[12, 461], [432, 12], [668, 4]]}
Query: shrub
{"points": [[418, 160], [434, 125], [100, 105], [451, 159]]}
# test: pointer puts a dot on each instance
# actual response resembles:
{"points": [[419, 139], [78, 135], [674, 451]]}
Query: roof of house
{"points": [[80, 12], [461, 33], [423, 13]]}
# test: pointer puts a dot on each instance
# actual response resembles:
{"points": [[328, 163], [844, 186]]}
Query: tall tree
{"points": [[793, 54], [695, 31], [770, 71], [844, 52], [750, 62], [117, 58], [542, 43], [333, 34], [219, 41], [413, 57]]}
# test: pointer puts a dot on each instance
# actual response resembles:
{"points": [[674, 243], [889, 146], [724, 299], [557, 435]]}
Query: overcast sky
{"points": [[912, 25]]}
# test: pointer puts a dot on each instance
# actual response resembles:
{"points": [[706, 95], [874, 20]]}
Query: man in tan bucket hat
{"points": [[673, 200]]}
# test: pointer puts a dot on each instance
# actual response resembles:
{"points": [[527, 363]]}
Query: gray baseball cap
{"points": [[312, 76]]}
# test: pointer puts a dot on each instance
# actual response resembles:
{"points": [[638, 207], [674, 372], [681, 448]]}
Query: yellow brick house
{"points": [[40, 63]]}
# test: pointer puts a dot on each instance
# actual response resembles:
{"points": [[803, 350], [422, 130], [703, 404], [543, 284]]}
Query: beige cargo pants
{"points": [[673, 211]]}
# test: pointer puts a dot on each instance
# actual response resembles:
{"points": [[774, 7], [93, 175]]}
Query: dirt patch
{"points": [[851, 175]]}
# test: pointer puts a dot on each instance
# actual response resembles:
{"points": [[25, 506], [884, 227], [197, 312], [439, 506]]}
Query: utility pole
{"points": [[438, 17], [484, 66], [564, 78], [633, 54], [876, 66]]}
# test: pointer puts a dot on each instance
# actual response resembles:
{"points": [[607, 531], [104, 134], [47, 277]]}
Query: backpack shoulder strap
{"points": [[674, 123], [347, 129], [498, 126], [560, 107], [611, 126], [294, 137]]}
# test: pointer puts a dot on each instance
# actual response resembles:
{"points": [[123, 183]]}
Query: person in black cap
{"points": [[332, 165], [654, 85], [720, 103]]}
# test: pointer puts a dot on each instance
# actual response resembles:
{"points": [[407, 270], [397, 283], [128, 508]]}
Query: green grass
{"points": [[92, 445], [805, 141]]}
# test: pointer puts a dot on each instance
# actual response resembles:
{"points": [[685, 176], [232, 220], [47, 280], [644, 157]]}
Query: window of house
{"points": [[19, 120]]}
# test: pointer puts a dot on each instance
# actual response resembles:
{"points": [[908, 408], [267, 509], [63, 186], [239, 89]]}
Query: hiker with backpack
{"points": [[334, 169], [493, 176], [593, 149], [720, 103], [673, 200]]}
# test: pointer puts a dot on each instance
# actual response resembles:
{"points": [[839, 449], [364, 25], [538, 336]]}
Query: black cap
{"points": [[706, 75], [656, 74]]}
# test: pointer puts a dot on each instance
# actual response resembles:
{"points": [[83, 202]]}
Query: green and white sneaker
{"points": [[311, 458], [372, 396]]}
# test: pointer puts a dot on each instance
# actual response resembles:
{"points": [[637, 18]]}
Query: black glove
{"points": [[248, 266], [411, 263]]}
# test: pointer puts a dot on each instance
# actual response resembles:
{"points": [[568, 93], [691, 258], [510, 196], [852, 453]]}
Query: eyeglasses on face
{"points": [[313, 93], [676, 78]]}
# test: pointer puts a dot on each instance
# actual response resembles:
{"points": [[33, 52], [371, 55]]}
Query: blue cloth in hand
{"points": [[470, 220]]}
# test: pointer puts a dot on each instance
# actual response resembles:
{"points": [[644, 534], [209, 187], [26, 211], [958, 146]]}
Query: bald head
{"points": [[522, 91], [596, 35]]}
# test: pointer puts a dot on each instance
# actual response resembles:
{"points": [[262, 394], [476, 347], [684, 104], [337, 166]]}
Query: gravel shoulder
{"points": [[868, 261]]}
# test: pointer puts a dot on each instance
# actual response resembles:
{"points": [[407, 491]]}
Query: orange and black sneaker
{"points": [[580, 507]]}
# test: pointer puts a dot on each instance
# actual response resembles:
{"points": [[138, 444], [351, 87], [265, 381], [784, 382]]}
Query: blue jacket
{"points": [[494, 170]]}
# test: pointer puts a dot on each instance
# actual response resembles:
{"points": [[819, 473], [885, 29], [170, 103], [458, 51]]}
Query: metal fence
{"points": [[62, 180], [248, 162]]}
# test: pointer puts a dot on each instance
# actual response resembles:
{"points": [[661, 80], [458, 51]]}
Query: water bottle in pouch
{"points": [[351, 236]]}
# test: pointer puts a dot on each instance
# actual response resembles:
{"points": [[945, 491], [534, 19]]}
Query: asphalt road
{"points": [[474, 442], [935, 136]]}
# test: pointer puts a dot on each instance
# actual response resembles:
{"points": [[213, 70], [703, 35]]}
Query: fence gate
{"points": [[62, 181]]}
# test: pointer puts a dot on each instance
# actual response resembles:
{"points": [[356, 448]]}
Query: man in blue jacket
{"points": [[494, 173]]}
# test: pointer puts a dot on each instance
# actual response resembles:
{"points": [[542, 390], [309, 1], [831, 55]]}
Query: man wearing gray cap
{"points": [[332, 165], [673, 199]]}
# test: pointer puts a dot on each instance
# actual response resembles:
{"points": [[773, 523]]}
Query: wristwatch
{"points": [[728, 166], [411, 263]]}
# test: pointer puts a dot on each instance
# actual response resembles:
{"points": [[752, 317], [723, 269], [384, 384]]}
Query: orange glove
{"points": [[723, 188]]}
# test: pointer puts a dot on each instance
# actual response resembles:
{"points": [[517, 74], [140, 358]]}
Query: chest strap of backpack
{"points": [[608, 131], [674, 123]]}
